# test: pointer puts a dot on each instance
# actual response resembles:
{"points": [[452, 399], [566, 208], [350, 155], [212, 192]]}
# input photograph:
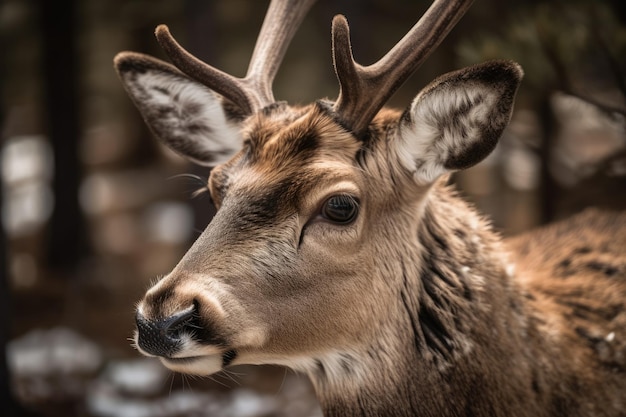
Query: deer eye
{"points": [[341, 209]]}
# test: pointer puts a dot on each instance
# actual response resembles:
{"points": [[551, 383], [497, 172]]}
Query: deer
{"points": [[340, 249]]}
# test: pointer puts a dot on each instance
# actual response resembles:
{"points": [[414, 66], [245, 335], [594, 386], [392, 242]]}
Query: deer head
{"points": [[318, 206]]}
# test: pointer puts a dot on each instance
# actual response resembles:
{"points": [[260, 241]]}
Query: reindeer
{"points": [[339, 249]]}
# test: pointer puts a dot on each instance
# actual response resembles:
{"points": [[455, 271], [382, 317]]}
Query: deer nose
{"points": [[163, 337]]}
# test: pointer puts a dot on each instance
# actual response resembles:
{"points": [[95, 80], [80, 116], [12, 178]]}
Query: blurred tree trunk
{"points": [[8, 404], [619, 6], [66, 233], [6, 397], [548, 191]]}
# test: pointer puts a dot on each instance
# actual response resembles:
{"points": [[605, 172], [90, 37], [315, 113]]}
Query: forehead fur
{"points": [[287, 138], [287, 152]]}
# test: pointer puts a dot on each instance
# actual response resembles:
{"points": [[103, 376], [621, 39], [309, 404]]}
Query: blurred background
{"points": [[93, 208]]}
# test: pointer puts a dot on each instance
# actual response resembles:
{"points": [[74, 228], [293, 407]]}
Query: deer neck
{"points": [[432, 355]]}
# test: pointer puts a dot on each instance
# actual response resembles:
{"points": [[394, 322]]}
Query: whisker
{"points": [[200, 191], [172, 383], [231, 377], [219, 382], [203, 182], [282, 383], [237, 374], [186, 378], [154, 281], [194, 177]]}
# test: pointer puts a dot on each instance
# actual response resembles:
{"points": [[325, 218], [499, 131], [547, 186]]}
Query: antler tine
{"points": [[364, 90], [233, 88], [253, 92], [279, 26]]}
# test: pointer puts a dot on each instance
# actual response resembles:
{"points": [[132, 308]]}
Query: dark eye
{"points": [[341, 209]]}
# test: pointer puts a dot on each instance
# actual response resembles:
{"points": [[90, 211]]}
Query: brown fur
{"points": [[412, 307], [434, 326]]}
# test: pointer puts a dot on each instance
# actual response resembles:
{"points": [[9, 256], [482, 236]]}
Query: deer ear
{"points": [[456, 121], [185, 115]]}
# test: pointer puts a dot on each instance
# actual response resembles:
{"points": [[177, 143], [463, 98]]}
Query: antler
{"points": [[254, 91], [364, 90]]}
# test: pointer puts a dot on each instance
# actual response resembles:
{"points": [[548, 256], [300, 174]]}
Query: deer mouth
{"points": [[200, 364], [189, 359], [194, 365]]}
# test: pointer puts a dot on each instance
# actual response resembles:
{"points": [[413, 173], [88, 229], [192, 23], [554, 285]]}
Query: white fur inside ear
{"points": [[442, 120], [185, 115]]}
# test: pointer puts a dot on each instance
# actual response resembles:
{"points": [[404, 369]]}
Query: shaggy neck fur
{"points": [[458, 340]]}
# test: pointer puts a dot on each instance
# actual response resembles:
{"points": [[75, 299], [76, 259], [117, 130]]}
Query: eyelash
{"points": [[341, 209]]}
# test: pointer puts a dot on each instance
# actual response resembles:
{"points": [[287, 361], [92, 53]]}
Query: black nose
{"points": [[163, 337]]}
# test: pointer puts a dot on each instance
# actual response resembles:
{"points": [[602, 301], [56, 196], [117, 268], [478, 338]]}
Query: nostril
{"points": [[163, 337], [172, 326]]}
